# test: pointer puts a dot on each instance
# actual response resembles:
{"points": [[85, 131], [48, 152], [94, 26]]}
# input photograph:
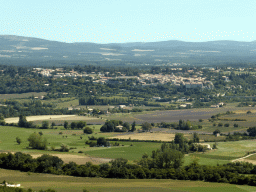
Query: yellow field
{"points": [[51, 117], [149, 136]]}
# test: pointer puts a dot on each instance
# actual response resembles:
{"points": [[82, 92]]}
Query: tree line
{"points": [[162, 164]]}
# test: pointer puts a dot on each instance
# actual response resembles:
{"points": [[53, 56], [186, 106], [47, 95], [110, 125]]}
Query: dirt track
{"points": [[245, 160]]}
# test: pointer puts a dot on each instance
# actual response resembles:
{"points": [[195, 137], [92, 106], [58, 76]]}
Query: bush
{"points": [[64, 148], [92, 138], [220, 124], [2, 122], [146, 126], [226, 125], [101, 141], [45, 125], [36, 141], [214, 146], [235, 125], [88, 130], [18, 140], [216, 132], [92, 144]]}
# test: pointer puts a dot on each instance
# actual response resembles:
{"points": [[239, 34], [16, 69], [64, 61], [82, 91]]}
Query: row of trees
{"points": [[75, 125], [164, 163], [117, 126]]}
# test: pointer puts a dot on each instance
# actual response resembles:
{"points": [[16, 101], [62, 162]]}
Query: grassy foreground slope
{"points": [[38, 181]]}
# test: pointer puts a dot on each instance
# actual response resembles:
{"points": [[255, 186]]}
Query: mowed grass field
{"points": [[60, 183]]}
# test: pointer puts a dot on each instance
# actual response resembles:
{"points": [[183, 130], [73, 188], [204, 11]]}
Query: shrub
{"points": [[226, 125], [92, 144], [45, 125], [214, 146], [64, 148], [146, 126], [220, 124], [92, 138], [18, 140], [88, 130], [216, 132], [36, 141], [65, 124], [2, 122], [101, 141], [235, 125]]}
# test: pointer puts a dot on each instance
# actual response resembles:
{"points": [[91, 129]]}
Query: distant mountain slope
{"points": [[21, 50]]}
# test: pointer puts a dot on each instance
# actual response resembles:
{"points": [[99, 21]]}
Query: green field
{"points": [[226, 151], [60, 183]]}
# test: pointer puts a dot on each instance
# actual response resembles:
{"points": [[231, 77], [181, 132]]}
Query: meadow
{"points": [[81, 153], [61, 183]]}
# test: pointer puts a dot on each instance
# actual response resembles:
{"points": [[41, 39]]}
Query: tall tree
{"points": [[133, 126]]}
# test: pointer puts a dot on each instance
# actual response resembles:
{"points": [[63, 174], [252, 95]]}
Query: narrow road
{"points": [[240, 159]]}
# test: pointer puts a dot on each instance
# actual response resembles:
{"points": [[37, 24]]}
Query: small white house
{"points": [[120, 127], [10, 185]]}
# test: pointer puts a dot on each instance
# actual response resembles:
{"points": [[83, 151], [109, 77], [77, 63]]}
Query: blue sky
{"points": [[114, 21]]}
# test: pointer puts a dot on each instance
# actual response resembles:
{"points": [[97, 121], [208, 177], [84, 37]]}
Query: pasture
{"points": [[132, 151], [61, 183]]}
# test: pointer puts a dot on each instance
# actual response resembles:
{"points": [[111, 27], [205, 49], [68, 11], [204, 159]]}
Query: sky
{"points": [[120, 21]]}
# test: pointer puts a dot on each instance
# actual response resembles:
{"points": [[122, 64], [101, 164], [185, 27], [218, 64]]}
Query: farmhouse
{"points": [[122, 106], [9, 185], [120, 127], [206, 145]]}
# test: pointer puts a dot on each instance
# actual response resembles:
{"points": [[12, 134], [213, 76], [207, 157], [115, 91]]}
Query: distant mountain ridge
{"points": [[18, 50]]}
